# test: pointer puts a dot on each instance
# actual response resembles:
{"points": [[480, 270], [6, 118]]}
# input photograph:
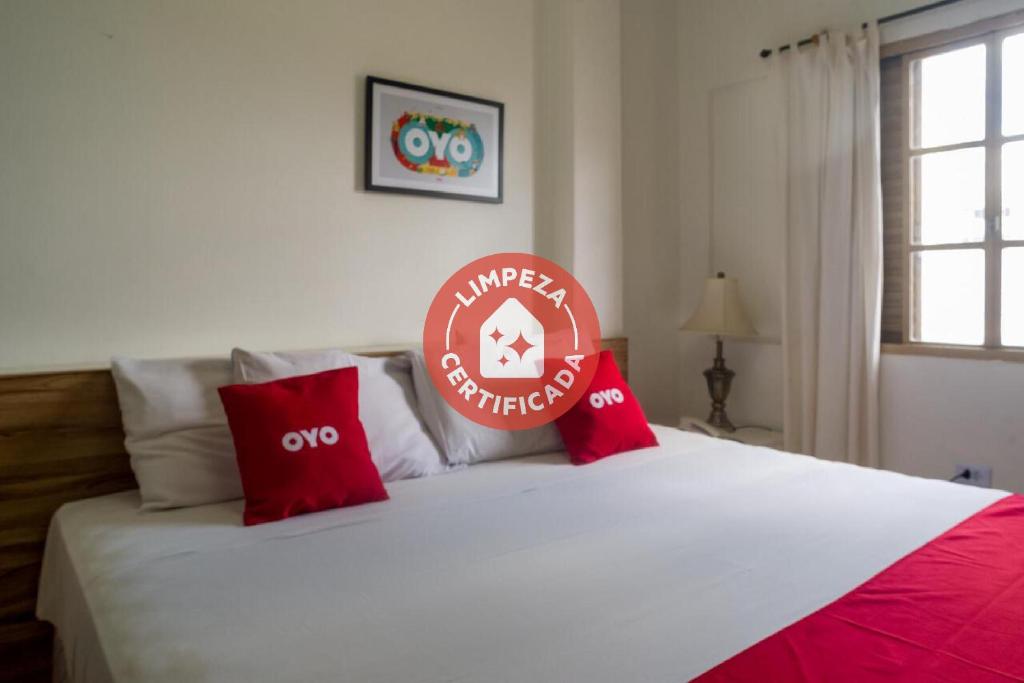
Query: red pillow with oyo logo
{"points": [[607, 420], [300, 445]]}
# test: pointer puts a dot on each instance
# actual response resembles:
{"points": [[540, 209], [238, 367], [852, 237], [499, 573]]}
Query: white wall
{"points": [[597, 140], [937, 412], [578, 192], [651, 251], [181, 177], [555, 187]]}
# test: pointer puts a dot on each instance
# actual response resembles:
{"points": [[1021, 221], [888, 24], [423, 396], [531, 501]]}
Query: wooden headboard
{"points": [[61, 440]]}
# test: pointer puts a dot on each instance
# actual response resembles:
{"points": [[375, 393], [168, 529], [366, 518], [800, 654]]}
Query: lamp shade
{"points": [[720, 311]]}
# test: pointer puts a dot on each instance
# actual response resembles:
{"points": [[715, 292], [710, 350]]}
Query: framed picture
{"points": [[432, 142]]}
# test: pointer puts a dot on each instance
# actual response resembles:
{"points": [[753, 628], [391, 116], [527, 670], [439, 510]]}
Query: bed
{"points": [[653, 565]]}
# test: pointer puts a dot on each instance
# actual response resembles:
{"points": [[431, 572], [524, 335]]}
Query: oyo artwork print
{"points": [[432, 142], [425, 143]]}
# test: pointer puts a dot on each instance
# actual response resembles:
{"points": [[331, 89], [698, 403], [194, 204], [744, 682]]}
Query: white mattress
{"points": [[649, 566]]}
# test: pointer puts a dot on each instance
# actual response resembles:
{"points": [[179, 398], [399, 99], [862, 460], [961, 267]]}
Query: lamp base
{"points": [[719, 379]]}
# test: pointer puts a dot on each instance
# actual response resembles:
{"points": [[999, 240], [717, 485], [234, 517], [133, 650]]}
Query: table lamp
{"points": [[720, 313]]}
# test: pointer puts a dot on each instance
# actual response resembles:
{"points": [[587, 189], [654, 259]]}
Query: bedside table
{"points": [[752, 436]]}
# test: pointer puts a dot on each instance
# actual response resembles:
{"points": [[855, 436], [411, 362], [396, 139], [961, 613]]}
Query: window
{"points": [[953, 191]]}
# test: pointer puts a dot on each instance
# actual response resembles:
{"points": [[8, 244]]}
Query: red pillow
{"points": [[300, 445], [606, 420]]}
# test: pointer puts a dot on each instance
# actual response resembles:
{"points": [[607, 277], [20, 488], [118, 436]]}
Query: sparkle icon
{"points": [[524, 357], [520, 345]]}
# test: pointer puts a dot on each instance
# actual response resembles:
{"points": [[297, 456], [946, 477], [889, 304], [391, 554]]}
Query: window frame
{"points": [[991, 33]]}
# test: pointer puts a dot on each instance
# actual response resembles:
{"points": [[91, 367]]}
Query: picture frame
{"points": [[433, 143]]}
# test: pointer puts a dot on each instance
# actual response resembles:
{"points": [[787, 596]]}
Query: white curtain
{"points": [[833, 274]]}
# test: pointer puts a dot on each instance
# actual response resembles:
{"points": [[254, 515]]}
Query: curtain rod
{"points": [[892, 17]]}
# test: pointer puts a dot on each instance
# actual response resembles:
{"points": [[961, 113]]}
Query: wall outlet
{"points": [[974, 475]]}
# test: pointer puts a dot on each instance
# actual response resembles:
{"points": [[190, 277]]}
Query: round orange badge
{"points": [[511, 341]]}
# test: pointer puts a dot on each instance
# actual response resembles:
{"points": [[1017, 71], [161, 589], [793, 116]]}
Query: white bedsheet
{"points": [[649, 566]]}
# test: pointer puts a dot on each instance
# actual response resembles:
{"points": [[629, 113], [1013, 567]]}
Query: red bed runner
{"points": [[952, 610]]}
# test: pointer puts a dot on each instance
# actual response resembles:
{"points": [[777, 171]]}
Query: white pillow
{"points": [[465, 442], [175, 430], [399, 443]]}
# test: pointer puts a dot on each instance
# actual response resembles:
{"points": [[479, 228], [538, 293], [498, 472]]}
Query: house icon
{"points": [[511, 343]]}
